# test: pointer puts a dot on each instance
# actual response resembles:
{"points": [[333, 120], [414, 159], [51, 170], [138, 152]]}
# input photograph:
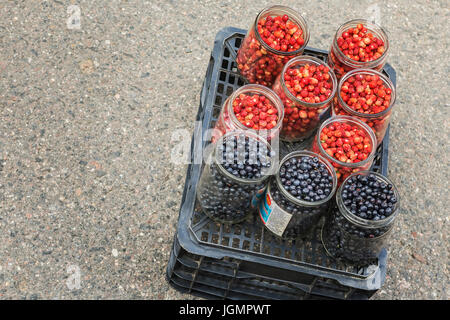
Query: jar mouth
{"points": [[306, 153], [373, 28], [265, 173], [366, 222], [262, 90], [386, 81], [301, 60], [295, 17], [361, 125]]}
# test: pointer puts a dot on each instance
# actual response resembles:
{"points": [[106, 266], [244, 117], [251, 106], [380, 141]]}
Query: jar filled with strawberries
{"points": [[278, 34], [358, 44], [306, 87], [367, 95], [348, 143], [251, 107]]}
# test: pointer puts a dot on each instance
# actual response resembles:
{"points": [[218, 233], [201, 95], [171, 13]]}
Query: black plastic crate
{"points": [[244, 261]]}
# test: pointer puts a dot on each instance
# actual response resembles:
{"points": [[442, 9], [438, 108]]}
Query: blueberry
{"points": [[304, 166]]}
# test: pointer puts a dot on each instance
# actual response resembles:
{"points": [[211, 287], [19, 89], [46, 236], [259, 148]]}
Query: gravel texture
{"points": [[89, 198]]}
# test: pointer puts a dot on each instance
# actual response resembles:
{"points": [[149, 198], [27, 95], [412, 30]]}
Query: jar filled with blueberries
{"points": [[359, 226], [299, 195], [235, 175]]}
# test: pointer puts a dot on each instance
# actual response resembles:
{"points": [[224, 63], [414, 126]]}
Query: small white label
{"points": [[274, 218]]}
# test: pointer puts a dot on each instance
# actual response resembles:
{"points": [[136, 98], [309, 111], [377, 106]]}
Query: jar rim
{"points": [[290, 197], [299, 21], [374, 28], [358, 122], [250, 134], [385, 80], [306, 58], [267, 92], [366, 222]]}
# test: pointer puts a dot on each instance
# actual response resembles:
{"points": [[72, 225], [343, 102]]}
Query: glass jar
{"points": [[350, 238], [256, 60], [287, 216], [300, 117], [377, 121], [224, 195], [344, 169], [342, 64], [228, 121]]}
